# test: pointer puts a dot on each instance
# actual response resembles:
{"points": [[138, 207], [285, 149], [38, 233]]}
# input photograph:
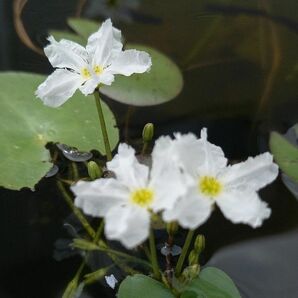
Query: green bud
{"points": [[148, 132], [199, 245], [191, 272], [94, 170], [84, 244], [193, 258], [172, 228], [96, 275], [71, 288]]}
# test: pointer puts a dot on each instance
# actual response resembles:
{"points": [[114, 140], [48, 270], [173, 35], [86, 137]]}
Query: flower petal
{"points": [[129, 62], [184, 151], [190, 211], [243, 207], [252, 174], [128, 224], [214, 158], [66, 54], [167, 179], [169, 183], [105, 44], [127, 168], [90, 85], [58, 87], [97, 197]]}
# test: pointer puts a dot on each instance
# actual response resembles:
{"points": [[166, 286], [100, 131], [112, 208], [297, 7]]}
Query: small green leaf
{"points": [[141, 286], [28, 126], [285, 154], [212, 283], [83, 27], [58, 35]]}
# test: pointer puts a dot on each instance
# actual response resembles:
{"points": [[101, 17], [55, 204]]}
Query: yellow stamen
{"points": [[210, 186], [85, 73], [98, 69], [142, 197]]}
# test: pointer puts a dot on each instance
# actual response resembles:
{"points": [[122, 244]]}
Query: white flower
{"points": [[127, 201], [86, 68], [111, 280], [232, 188]]}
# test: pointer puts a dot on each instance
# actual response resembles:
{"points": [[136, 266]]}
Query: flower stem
{"points": [[103, 125], [154, 261], [184, 252], [76, 211], [125, 256]]}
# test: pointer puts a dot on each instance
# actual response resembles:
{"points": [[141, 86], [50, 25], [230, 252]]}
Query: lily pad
{"points": [[83, 27], [28, 125], [285, 154], [142, 286], [212, 283], [161, 84], [67, 35]]}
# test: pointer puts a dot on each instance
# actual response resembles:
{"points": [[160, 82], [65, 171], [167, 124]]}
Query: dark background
{"points": [[224, 85]]}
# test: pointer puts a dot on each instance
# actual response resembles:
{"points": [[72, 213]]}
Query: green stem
{"points": [[76, 211], [103, 125], [184, 252], [154, 261], [124, 255]]}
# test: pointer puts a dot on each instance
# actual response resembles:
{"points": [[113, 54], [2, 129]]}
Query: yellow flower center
{"points": [[210, 186], [85, 73], [98, 69], [142, 197]]}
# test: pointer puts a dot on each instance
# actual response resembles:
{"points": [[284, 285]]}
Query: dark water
{"points": [[240, 66]]}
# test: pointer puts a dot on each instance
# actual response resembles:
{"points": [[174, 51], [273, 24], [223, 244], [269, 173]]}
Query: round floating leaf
{"points": [[139, 285], [212, 283], [285, 154], [83, 27], [28, 125], [161, 84], [67, 35]]}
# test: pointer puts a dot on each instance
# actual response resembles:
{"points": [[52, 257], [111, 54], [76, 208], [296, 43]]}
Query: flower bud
{"points": [[199, 245], [148, 132], [96, 275], [94, 170], [191, 272], [84, 244], [71, 288], [193, 258], [172, 228]]}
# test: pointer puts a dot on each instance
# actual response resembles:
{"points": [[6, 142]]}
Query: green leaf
{"points": [[83, 27], [28, 126], [212, 283], [162, 83], [285, 154], [67, 35], [141, 286]]}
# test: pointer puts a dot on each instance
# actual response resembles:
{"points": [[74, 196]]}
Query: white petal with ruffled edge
{"points": [[129, 62], [190, 211], [213, 157], [127, 168], [105, 44], [243, 207], [66, 54], [252, 174], [58, 87], [95, 198], [129, 224]]}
